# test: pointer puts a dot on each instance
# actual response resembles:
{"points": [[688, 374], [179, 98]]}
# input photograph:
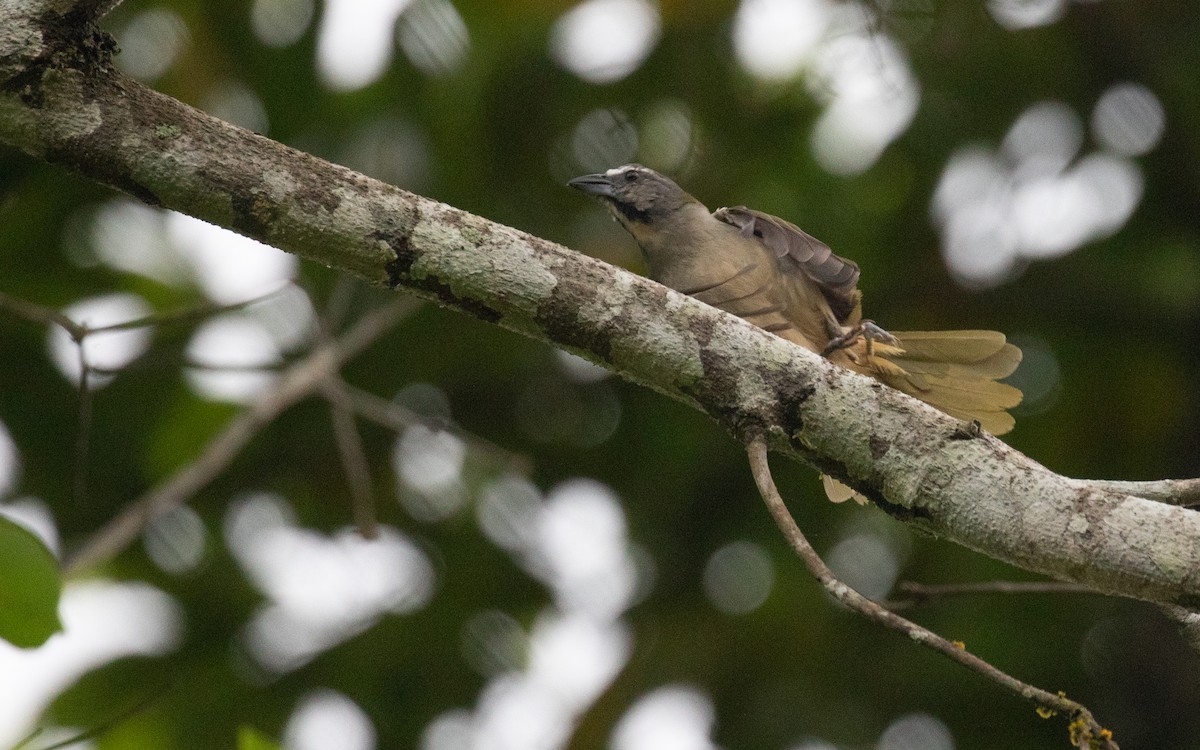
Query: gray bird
{"points": [[773, 274]]}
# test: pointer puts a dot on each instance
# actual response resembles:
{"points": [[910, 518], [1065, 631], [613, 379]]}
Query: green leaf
{"points": [[250, 738], [29, 587]]}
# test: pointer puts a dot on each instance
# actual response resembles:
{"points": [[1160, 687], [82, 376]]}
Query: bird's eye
{"points": [[631, 176]]}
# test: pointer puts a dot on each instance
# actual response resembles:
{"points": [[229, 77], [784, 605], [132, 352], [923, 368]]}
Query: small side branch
{"points": [[296, 382], [36, 313], [912, 593], [397, 417], [78, 332], [1086, 732], [354, 457], [83, 435], [1184, 492]]}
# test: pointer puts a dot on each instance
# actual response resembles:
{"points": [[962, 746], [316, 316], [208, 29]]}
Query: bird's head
{"points": [[636, 194]]}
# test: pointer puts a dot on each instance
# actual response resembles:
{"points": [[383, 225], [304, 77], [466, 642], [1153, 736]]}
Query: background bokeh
{"points": [[579, 562]]}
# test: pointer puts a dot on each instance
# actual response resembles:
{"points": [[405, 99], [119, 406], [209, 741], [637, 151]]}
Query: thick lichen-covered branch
{"points": [[60, 100]]}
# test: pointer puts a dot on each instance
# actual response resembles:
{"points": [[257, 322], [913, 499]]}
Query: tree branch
{"points": [[913, 593], [70, 107], [1185, 492], [1086, 732]]}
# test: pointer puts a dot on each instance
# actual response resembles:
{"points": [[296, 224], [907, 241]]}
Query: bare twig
{"points": [[186, 314], [341, 412], [110, 724], [36, 313], [917, 593], [1185, 492], [192, 364], [29, 738], [294, 384], [399, 418], [354, 458], [83, 434], [1085, 731], [337, 307]]}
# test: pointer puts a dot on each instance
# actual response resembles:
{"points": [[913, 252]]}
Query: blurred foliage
{"points": [[29, 587], [1118, 319], [251, 739]]}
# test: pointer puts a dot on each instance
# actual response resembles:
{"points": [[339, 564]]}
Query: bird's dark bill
{"points": [[595, 184]]}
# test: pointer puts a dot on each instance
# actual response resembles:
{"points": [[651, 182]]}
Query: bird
{"points": [[778, 277]]}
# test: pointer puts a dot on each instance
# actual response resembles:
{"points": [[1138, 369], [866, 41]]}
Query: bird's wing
{"points": [[800, 253]]}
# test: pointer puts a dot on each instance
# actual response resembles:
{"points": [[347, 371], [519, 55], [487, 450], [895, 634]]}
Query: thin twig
{"points": [[295, 383], [1085, 731], [1184, 492], [29, 738], [109, 724], [917, 593], [337, 307], [341, 412], [186, 314], [354, 457], [192, 364], [83, 436], [399, 418], [36, 313]]}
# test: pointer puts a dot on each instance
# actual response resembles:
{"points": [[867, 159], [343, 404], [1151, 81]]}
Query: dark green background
{"points": [[1122, 317]]}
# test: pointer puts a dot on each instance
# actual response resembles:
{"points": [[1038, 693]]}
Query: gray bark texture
{"points": [[61, 101]]}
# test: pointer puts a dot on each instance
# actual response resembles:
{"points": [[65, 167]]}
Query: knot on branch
{"points": [[68, 41]]}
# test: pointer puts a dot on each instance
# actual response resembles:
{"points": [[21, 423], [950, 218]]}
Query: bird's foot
{"points": [[868, 331], [967, 430]]}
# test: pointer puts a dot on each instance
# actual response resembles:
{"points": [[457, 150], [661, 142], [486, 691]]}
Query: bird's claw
{"points": [[872, 332], [868, 331]]}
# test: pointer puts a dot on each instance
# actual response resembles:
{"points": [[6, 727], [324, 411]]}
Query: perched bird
{"points": [[773, 274]]}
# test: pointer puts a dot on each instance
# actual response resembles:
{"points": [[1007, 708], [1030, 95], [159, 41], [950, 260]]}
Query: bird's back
{"points": [[954, 371]]}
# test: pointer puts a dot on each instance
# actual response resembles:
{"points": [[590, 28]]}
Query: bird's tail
{"points": [[954, 371]]}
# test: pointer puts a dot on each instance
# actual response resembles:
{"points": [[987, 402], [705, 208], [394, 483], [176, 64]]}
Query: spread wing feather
{"points": [[800, 252]]}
